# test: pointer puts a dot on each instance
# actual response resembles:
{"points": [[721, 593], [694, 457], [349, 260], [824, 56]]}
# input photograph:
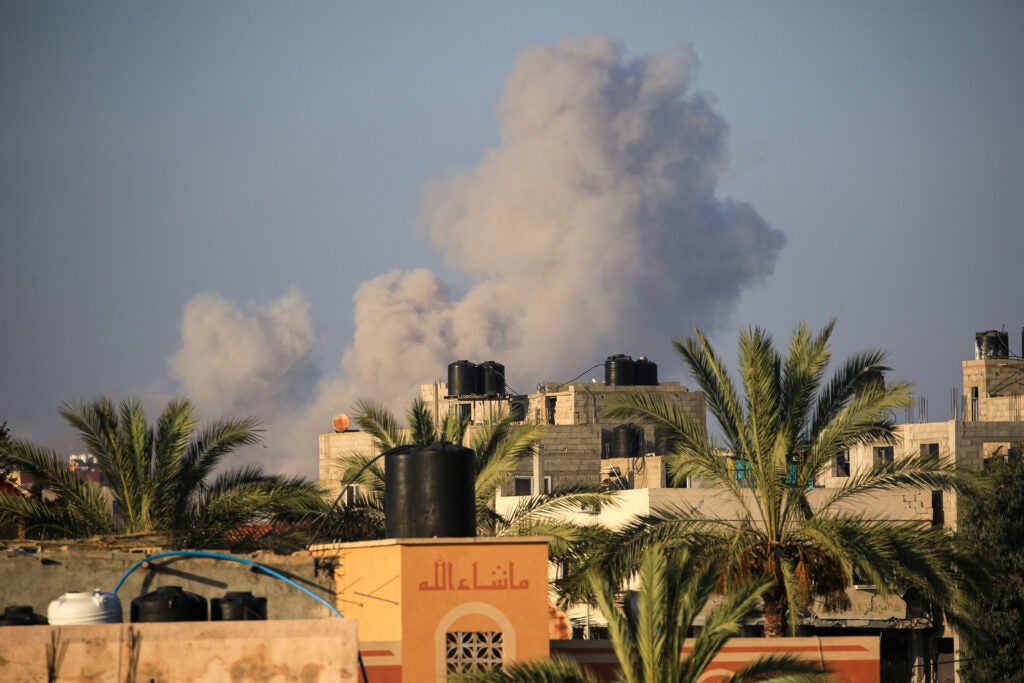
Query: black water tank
{"points": [[991, 344], [169, 603], [492, 378], [662, 441], [625, 441], [429, 491], [618, 371], [21, 615], [238, 606], [463, 378], [645, 372]]}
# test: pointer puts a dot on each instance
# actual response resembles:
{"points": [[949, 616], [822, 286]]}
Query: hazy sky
{"points": [[275, 208]]}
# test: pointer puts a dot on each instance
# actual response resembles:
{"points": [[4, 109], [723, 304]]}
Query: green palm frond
{"points": [[157, 476], [83, 507], [381, 425], [784, 668], [787, 422], [648, 632], [554, 670]]}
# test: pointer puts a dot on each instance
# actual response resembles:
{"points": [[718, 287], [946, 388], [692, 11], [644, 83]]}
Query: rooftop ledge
{"points": [[478, 540]]}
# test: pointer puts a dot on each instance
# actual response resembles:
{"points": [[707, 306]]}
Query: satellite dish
{"points": [[340, 422]]}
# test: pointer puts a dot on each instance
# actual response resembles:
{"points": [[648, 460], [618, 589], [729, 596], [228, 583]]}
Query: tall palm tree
{"points": [[649, 633], [785, 430], [159, 478]]}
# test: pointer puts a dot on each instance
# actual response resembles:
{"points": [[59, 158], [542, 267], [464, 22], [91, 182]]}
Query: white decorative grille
{"points": [[467, 651]]}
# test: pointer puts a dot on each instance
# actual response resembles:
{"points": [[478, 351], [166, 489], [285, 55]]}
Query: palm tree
{"points": [[648, 633], [158, 478], [498, 444], [785, 431]]}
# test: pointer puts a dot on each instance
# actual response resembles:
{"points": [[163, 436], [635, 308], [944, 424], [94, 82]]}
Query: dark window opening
{"points": [[930, 450], [884, 454], [841, 464]]}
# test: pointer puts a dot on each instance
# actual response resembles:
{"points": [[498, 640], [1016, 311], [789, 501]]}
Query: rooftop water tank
{"points": [[618, 371], [991, 344], [238, 606], [626, 441], [492, 378], [169, 603], [97, 607], [463, 378], [21, 615], [430, 492], [645, 372]]}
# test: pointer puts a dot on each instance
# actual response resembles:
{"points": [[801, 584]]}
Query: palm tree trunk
{"points": [[774, 615]]}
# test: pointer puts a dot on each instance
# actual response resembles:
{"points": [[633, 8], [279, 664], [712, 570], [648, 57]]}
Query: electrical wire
{"points": [[241, 560]]}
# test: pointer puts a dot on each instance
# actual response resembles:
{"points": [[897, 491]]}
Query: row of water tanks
{"points": [[627, 441], [167, 603], [622, 371], [469, 379]]}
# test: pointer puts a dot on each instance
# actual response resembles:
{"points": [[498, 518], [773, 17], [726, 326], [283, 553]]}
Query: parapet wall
{"points": [[324, 650], [36, 574]]}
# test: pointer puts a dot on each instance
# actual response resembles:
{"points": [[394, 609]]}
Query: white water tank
{"points": [[97, 607]]}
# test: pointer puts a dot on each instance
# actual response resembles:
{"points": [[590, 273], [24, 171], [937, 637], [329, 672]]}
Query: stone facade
{"points": [[578, 443]]}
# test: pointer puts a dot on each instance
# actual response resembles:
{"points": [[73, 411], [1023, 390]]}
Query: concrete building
{"points": [[579, 446]]}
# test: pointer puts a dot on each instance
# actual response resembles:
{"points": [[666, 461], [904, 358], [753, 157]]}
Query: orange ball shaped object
{"points": [[340, 422]]}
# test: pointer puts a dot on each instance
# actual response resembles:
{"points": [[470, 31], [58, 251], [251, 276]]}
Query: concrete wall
{"points": [[35, 575], [900, 506], [851, 659], [1000, 387], [324, 650]]}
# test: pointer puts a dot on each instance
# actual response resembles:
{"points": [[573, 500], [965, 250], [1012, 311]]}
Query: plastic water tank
{"points": [[430, 492], [21, 615], [463, 378], [662, 441], [625, 441], [645, 372], [492, 378], [618, 371], [169, 603], [97, 607], [238, 606]]}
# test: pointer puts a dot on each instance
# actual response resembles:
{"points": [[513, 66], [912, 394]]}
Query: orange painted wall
{"points": [[414, 591], [852, 659]]}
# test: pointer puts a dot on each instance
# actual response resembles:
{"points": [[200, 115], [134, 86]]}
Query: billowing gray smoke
{"points": [[592, 228]]}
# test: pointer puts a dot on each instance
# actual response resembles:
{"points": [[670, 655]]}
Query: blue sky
{"points": [[168, 169]]}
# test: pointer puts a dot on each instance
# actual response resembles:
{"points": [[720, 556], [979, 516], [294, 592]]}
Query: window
{"points": [[930, 450], [523, 486], [351, 494], [841, 464], [884, 454], [551, 401], [741, 468], [468, 651], [974, 404]]}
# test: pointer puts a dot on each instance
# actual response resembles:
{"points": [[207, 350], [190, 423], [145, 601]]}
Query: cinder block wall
{"points": [[35, 575]]}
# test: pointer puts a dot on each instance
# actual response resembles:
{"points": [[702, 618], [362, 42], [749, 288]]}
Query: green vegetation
{"points": [[159, 478], [785, 430], [991, 535], [648, 630]]}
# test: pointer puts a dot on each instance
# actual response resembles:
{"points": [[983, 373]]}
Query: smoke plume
{"points": [[254, 360], [592, 228]]}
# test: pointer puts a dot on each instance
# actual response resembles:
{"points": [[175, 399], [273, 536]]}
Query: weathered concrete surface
{"points": [[265, 651], [33, 574]]}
